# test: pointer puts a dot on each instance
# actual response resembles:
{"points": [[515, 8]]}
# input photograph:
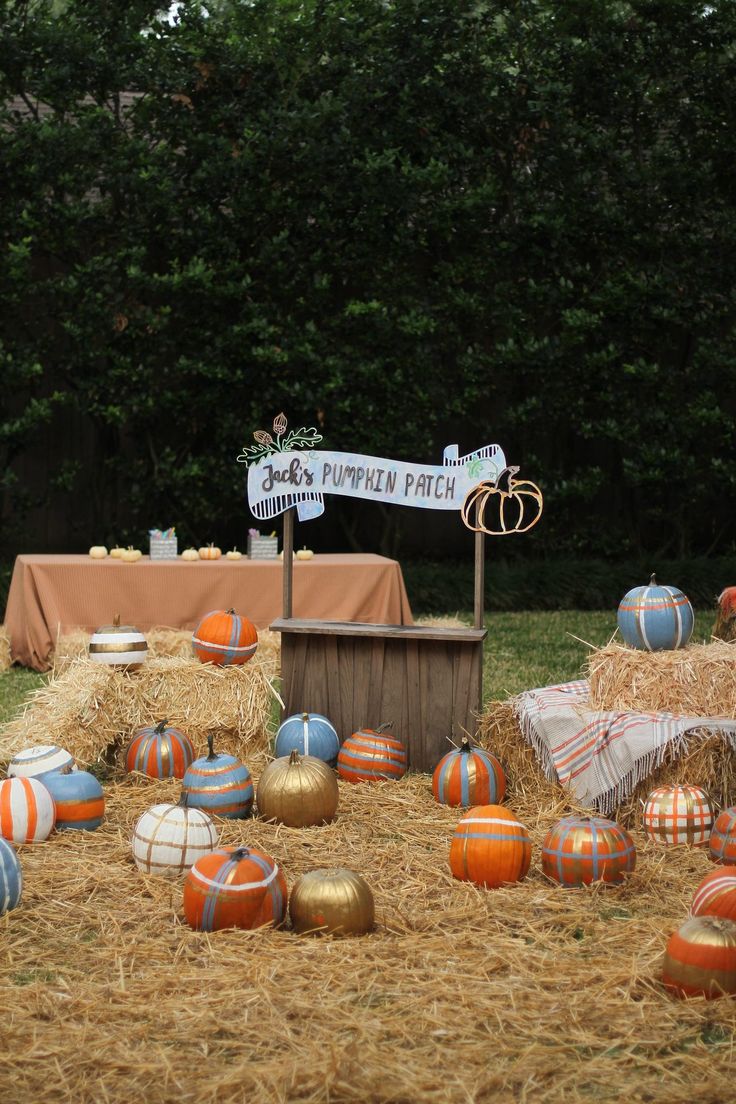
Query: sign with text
{"points": [[282, 479]]}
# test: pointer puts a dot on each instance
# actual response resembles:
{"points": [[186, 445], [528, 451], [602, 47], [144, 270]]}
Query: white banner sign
{"points": [[285, 479]]}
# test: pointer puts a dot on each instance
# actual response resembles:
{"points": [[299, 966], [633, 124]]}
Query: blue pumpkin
{"points": [[309, 734], [11, 877], [219, 784], [654, 618], [79, 798]]}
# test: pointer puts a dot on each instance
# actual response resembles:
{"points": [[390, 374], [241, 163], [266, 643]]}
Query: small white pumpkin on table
{"points": [[304, 553], [98, 552], [131, 554], [233, 554], [116, 553], [190, 554]]}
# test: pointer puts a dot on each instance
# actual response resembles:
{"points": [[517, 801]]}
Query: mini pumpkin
{"points": [[218, 783], [370, 755], [235, 888], [334, 902], [468, 776], [130, 554], [168, 839], [700, 959], [98, 552], [297, 791], [224, 638], [210, 552], [190, 554], [233, 554], [507, 505], [160, 751]]}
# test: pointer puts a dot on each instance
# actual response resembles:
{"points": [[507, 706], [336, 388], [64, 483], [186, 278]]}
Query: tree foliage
{"points": [[405, 223]]}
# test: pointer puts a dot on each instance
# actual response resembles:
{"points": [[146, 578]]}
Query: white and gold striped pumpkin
{"points": [[168, 839], [27, 810], [118, 645]]}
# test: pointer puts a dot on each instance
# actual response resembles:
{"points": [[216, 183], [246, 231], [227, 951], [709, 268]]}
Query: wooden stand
{"points": [[427, 681]]}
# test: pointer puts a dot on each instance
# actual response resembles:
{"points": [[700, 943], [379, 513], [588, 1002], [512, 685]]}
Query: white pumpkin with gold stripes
{"points": [[120, 646], [27, 810], [36, 761], [168, 839]]}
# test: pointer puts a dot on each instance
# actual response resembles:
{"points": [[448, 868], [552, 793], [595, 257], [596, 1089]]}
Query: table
{"points": [[51, 595]]}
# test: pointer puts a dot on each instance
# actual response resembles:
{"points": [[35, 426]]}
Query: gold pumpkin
{"points": [[338, 902], [298, 791]]}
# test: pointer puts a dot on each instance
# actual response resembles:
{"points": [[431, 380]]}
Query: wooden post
{"points": [[288, 545], [479, 604]]}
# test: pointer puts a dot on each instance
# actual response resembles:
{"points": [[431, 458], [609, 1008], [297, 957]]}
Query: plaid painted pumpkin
{"points": [[160, 751], [716, 894], [468, 776], [168, 839], [678, 814], [490, 847], [235, 888], [371, 756], [700, 959], [722, 842], [580, 850], [224, 638], [27, 810]]}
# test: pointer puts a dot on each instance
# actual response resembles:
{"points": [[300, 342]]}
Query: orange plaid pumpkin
{"points": [[490, 847], [224, 638], [678, 814], [700, 959], [580, 850], [716, 894]]}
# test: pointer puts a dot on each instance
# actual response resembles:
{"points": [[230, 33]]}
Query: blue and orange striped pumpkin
{"points": [[468, 776], [234, 888], [160, 751], [224, 638], [579, 850], [218, 783], [716, 894], [79, 798], [370, 756], [490, 847], [722, 842], [309, 734], [654, 618], [27, 810], [11, 877]]}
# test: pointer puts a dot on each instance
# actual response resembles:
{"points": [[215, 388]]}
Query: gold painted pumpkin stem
{"points": [[294, 757]]}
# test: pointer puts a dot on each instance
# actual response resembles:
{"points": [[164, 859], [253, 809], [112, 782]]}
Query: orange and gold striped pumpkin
{"points": [[235, 887], [580, 850], [371, 756], [678, 814], [27, 810], [716, 894], [160, 751], [722, 842], [468, 776], [700, 959], [490, 847], [224, 638]]}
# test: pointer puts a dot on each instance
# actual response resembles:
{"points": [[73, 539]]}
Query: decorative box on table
{"points": [[163, 546], [263, 548]]}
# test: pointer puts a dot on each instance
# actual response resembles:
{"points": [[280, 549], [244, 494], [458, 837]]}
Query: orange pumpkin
{"points": [[370, 756], [716, 894], [210, 552], [507, 506], [722, 841], [234, 888], [224, 638], [490, 847], [700, 959]]}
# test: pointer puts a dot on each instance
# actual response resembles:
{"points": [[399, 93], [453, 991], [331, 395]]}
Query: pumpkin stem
{"points": [[294, 757], [183, 801], [211, 747], [385, 725], [653, 580], [503, 483], [116, 620], [231, 610], [305, 717], [160, 727], [67, 769], [240, 853], [465, 744]]}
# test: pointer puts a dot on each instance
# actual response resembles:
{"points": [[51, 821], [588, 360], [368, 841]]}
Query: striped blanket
{"points": [[600, 756]]}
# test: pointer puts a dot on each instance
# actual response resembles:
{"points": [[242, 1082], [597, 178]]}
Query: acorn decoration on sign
{"points": [[505, 505]]}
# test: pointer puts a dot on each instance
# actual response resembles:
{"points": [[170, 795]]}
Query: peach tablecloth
{"points": [[51, 595]]}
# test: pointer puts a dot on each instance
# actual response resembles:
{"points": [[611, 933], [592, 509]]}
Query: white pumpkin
{"points": [[36, 761], [98, 552], [27, 810], [304, 553], [116, 553], [118, 645], [168, 839], [130, 554], [190, 554]]}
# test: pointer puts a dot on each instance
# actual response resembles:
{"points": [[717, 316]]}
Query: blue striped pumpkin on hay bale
{"points": [[655, 618]]}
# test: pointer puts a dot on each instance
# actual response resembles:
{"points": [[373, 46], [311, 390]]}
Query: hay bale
{"points": [[705, 760], [698, 681], [162, 641], [91, 710], [5, 658]]}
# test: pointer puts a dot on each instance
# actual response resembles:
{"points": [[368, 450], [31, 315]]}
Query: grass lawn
{"points": [[523, 650]]}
